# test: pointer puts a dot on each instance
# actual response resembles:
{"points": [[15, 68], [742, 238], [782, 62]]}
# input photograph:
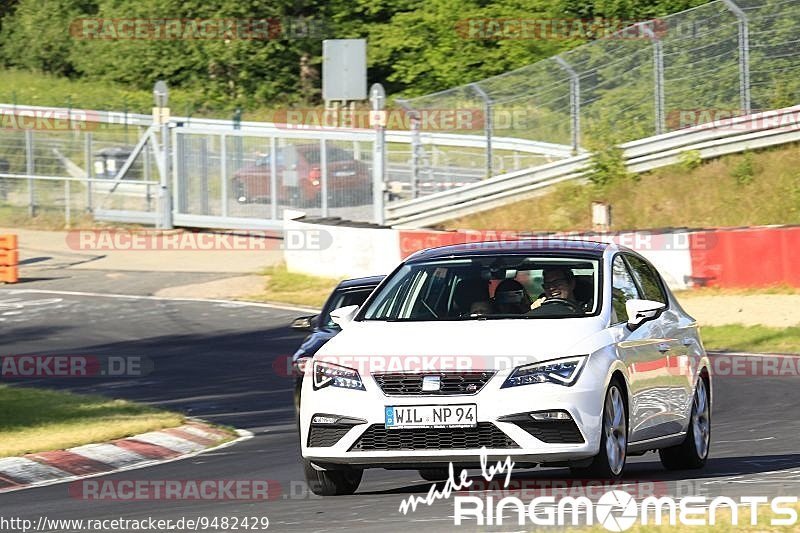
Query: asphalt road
{"points": [[217, 361]]}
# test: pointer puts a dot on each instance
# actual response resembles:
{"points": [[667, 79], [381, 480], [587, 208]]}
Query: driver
{"points": [[558, 282]]}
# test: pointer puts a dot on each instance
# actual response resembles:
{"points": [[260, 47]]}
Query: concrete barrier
{"points": [[739, 257]]}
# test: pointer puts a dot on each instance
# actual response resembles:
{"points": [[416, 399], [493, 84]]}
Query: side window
{"points": [[623, 288], [648, 279]]}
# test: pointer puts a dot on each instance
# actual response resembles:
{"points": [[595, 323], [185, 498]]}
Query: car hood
{"points": [[490, 343]]}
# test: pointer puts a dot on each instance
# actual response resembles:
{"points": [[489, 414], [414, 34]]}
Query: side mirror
{"points": [[344, 315], [640, 311], [304, 323]]}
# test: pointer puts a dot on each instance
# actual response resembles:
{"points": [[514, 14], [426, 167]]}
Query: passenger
{"points": [[467, 292], [510, 297]]}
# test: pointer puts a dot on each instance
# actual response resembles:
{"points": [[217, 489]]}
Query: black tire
{"points": [[332, 482], [691, 454], [434, 474], [601, 465]]}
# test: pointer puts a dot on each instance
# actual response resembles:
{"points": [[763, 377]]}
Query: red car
{"points": [[299, 175]]}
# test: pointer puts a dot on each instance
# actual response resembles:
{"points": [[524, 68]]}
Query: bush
{"points": [[744, 171], [690, 160]]}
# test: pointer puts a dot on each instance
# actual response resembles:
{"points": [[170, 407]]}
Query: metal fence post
{"points": [[744, 55], [204, 207], [160, 97], [323, 168], [416, 145], [146, 167], [29, 170], [488, 126], [273, 176], [67, 210], [658, 78], [89, 171], [223, 173], [574, 102], [378, 97]]}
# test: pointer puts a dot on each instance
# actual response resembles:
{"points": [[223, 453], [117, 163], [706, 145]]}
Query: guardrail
{"points": [[757, 130]]}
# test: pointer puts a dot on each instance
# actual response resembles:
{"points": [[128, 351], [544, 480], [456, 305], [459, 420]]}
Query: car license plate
{"points": [[431, 416], [342, 173]]}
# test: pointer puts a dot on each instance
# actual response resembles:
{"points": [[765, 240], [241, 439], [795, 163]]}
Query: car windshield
{"points": [[332, 153], [489, 287]]}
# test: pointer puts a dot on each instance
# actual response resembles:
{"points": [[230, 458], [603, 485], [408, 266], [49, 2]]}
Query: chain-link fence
{"points": [[722, 59], [67, 174], [258, 175]]}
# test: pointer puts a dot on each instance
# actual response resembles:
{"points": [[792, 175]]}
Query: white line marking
{"points": [[743, 440], [164, 298]]}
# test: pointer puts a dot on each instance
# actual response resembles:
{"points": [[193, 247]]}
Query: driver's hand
{"points": [[538, 303]]}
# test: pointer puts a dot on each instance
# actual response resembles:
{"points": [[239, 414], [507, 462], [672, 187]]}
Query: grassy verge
{"points": [[45, 219], [717, 291], [737, 190], [34, 420], [759, 339], [298, 289]]}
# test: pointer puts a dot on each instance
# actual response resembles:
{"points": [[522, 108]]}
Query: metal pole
{"points": [[204, 207], [273, 176], [378, 98], [487, 105], [658, 78], [90, 171], [165, 198], [574, 102], [416, 145], [323, 167], [744, 55], [160, 95], [29, 170], [146, 167], [223, 173], [67, 210]]}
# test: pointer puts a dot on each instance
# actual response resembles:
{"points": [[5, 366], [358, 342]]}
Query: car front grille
{"points": [[410, 383], [377, 437], [326, 436]]}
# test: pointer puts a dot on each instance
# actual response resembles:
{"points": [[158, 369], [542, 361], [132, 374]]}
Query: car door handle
{"points": [[663, 347]]}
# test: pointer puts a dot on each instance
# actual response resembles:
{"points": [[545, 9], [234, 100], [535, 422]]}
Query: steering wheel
{"points": [[563, 302]]}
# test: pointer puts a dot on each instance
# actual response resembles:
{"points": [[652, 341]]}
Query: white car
{"points": [[553, 352]]}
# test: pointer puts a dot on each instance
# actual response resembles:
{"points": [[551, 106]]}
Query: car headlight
{"points": [[561, 371], [328, 374]]}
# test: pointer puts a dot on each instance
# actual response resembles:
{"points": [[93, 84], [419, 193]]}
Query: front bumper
{"points": [[495, 407]]}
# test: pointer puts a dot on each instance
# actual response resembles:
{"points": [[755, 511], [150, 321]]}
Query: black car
{"points": [[322, 328]]}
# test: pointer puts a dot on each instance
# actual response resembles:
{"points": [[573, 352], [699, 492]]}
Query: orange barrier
{"points": [[9, 259]]}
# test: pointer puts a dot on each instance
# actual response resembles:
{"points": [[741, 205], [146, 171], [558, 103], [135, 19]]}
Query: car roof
{"points": [[489, 248], [360, 282]]}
